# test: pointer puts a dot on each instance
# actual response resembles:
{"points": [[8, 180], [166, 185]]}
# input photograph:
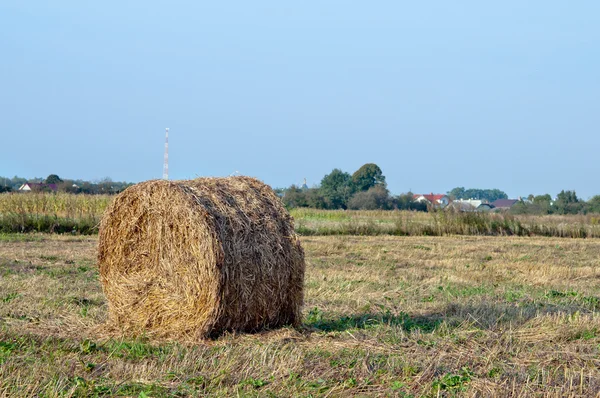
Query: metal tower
{"points": [[166, 164]]}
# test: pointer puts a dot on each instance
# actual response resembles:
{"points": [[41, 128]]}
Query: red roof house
{"points": [[436, 200]]}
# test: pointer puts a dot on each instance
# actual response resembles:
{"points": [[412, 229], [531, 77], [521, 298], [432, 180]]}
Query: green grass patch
{"points": [[452, 382], [136, 350], [8, 297]]}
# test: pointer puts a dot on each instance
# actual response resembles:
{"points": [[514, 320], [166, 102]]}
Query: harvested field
{"points": [[384, 316]]}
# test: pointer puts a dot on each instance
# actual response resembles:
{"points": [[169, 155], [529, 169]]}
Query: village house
{"points": [[469, 205], [435, 200], [504, 204], [37, 186]]}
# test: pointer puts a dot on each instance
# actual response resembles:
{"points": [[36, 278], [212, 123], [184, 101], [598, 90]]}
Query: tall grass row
{"points": [[81, 214], [442, 223], [51, 212]]}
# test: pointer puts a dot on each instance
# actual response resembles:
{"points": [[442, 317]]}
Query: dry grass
{"points": [[384, 316], [196, 258], [54, 204], [441, 223], [51, 212]]}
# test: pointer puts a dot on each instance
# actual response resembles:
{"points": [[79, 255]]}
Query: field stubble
{"points": [[391, 316]]}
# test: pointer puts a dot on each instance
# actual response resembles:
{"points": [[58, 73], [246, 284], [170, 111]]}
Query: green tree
{"points": [[69, 186], [489, 195], [16, 182], [337, 188], [53, 179], [5, 184], [294, 197], [567, 197], [542, 199], [315, 198], [594, 204], [457, 193], [368, 176], [541, 204], [567, 202], [106, 186], [405, 201]]}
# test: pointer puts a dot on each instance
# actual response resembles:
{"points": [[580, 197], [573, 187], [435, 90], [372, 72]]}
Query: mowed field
{"points": [[384, 316]]}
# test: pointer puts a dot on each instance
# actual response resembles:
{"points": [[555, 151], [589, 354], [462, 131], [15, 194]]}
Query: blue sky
{"points": [[438, 94]]}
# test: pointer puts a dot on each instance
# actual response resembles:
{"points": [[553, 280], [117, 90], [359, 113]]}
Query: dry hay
{"points": [[199, 257]]}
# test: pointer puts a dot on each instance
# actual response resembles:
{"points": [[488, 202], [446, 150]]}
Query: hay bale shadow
{"points": [[370, 320], [483, 315]]}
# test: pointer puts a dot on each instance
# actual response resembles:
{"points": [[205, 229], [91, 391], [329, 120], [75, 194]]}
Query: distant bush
{"points": [[406, 201], [375, 198], [294, 197]]}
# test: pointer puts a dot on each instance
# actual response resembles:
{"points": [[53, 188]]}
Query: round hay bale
{"points": [[199, 257]]}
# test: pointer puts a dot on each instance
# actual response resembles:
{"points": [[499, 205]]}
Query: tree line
{"points": [[487, 195], [365, 189], [566, 202], [101, 187]]}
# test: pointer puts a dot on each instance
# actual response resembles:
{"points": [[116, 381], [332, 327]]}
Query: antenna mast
{"points": [[166, 164]]}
